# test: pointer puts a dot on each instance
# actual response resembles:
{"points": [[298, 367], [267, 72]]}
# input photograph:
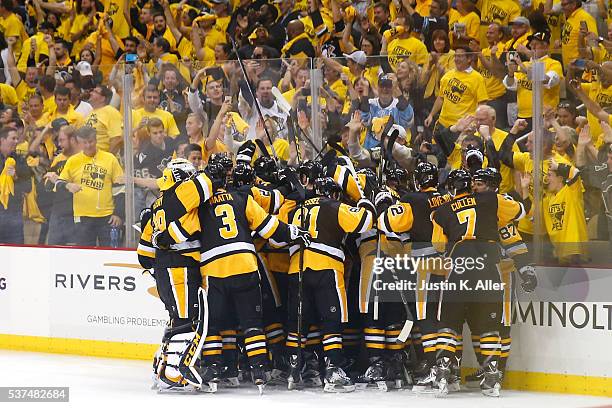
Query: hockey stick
{"points": [[300, 294], [255, 101], [380, 178], [284, 105], [407, 327]]}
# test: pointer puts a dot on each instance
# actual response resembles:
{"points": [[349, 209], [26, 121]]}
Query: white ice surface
{"points": [[95, 382]]}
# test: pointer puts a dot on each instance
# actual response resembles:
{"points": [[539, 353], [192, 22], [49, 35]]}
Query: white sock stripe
{"points": [[257, 344], [275, 333], [212, 345], [374, 338], [335, 339], [229, 340]]}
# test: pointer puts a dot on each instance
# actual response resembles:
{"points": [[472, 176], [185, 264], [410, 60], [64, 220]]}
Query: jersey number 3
{"points": [[468, 216], [229, 229]]}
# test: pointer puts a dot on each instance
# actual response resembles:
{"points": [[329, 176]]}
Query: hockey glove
{"points": [[383, 200], [528, 278], [245, 152], [367, 204], [155, 238], [145, 216], [298, 235]]}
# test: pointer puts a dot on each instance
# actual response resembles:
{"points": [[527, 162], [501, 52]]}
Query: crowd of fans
{"points": [[456, 77]]}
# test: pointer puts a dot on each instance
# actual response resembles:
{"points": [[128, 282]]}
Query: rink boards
{"points": [[99, 303]]}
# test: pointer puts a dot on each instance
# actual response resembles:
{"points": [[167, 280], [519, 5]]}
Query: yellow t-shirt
{"points": [[79, 23], [471, 21], [96, 176], [214, 37], [495, 11], [166, 117], [461, 92], [447, 61], [495, 86], [24, 91], [49, 104], [523, 162], [12, 26], [222, 23], [507, 183], [410, 47], [569, 34], [565, 222], [8, 96], [74, 118], [108, 123], [524, 87], [603, 96], [107, 60], [114, 8], [219, 147]]}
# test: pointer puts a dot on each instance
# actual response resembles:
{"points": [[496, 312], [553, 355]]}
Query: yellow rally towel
{"points": [[7, 184], [30, 206]]}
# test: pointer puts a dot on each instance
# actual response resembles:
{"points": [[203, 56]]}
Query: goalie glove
{"points": [[528, 278], [298, 235]]}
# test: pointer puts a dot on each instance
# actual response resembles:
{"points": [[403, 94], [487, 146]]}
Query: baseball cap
{"points": [[540, 36], [84, 68], [521, 20], [400, 129], [385, 81], [357, 56]]}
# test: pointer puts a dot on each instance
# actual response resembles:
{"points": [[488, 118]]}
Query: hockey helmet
{"points": [[217, 174], [459, 181], [327, 187], [176, 171], [490, 176], [243, 174], [425, 175], [310, 170], [397, 174], [265, 169]]}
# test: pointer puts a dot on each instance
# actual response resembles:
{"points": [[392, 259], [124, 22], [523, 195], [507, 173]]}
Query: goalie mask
{"points": [[176, 171]]}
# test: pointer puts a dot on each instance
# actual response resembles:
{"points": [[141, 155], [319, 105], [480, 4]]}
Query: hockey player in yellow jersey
{"points": [[228, 263], [177, 275], [324, 296]]}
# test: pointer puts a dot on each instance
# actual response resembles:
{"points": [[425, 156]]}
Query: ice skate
{"points": [[229, 377], [336, 379], [443, 373], [490, 384], [454, 380], [374, 376], [260, 375], [294, 376], [426, 384], [311, 376]]}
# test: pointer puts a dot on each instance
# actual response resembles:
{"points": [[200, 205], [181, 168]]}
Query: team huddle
{"points": [[268, 273]]}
